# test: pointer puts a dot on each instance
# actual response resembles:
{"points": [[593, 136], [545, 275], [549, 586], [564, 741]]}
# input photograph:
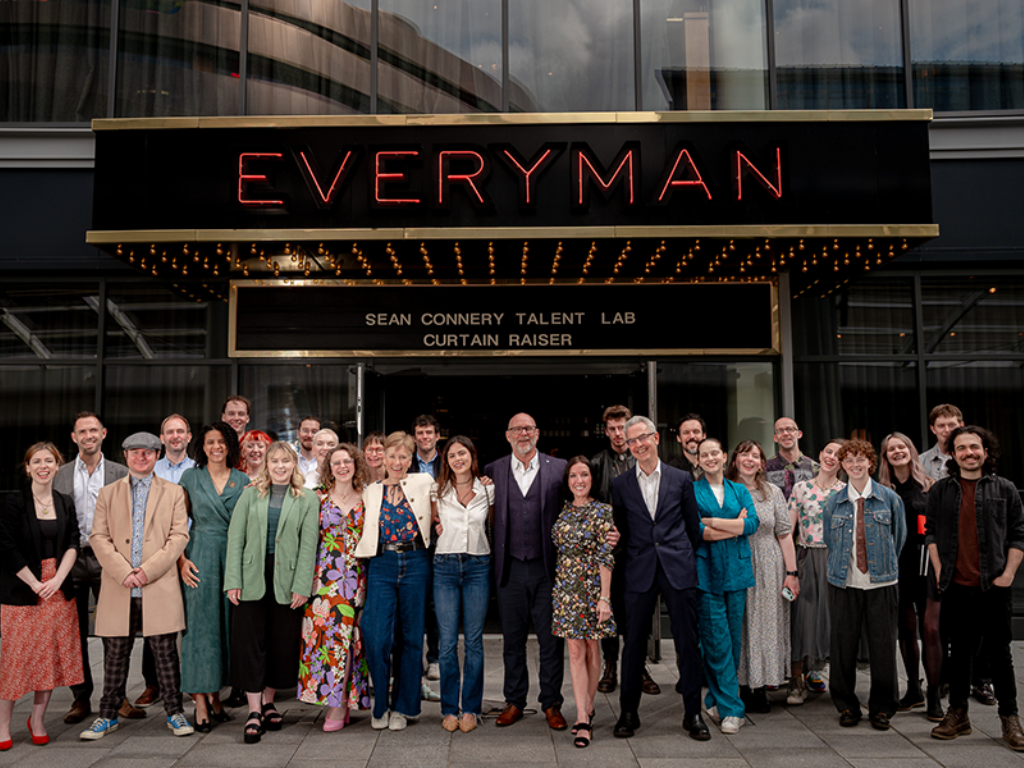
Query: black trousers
{"points": [[852, 611], [85, 578], [978, 625], [610, 645], [528, 595], [682, 614], [266, 640]]}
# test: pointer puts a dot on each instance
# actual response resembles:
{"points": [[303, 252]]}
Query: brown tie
{"points": [[862, 544]]}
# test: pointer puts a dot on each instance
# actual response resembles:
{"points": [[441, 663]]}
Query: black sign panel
{"points": [[800, 172], [502, 320]]}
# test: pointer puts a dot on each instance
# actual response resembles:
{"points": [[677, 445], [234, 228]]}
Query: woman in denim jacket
{"points": [[865, 528]]}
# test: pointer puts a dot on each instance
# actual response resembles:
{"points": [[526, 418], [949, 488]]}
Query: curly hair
{"points": [[858, 447], [358, 476], [234, 455], [988, 442]]}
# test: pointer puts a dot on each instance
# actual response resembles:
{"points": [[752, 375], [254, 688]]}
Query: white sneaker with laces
{"points": [[732, 724], [398, 722]]}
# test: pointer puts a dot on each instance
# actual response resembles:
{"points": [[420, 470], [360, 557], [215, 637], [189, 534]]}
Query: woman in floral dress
{"points": [[333, 671], [582, 592], [811, 623]]}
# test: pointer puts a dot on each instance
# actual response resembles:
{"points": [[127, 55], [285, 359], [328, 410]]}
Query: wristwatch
{"points": [[791, 573]]}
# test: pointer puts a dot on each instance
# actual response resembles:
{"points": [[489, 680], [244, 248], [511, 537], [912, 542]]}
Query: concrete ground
{"points": [[788, 737]]}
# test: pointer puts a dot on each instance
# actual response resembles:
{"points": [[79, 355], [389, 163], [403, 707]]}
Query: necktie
{"points": [[862, 544]]}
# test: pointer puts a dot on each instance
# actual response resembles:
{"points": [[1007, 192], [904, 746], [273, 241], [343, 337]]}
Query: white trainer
{"points": [[379, 723], [398, 722], [732, 724]]}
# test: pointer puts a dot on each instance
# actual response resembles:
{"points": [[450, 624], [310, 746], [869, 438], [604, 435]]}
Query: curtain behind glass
{"points": [[571, 55], [839, 54], [701, 55], [178, 58], [54, 60], [968, 54]]}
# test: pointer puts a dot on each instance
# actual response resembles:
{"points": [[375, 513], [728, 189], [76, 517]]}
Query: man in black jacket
{"points": [[975, 538]]}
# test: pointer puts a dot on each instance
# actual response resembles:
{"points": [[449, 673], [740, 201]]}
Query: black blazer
{"points": [[21, 545]]}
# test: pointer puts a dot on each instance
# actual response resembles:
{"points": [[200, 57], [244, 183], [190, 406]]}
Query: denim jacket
{"points": [[885, 530]]}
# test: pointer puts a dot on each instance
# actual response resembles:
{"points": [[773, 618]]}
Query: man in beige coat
{"points": [[139, 531]]}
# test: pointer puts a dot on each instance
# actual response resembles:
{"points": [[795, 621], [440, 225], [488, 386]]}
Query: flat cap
{"points": [[142, 440]]}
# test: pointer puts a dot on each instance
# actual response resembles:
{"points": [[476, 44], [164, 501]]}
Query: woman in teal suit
{"points": [[271, 558], [213, 488], [724, 574]]}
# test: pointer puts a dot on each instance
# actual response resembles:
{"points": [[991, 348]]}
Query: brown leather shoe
{"points": [[555, 720], [132, 713], [78, 712], [955, 723], [510, 714], [610, 679], [648, 685], [1012, 733], [148, 697]]}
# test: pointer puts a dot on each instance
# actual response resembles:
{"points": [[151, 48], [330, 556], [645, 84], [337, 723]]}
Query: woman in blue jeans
{"points": [[463, 506], [396, 531]]}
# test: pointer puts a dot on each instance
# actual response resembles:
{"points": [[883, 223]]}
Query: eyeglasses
{"points": [[342, 463], [640, 438], [522, 430], [856, 460], [787, 430]]}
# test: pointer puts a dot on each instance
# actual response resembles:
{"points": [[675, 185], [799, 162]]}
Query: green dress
{"points": [[204, 645]]}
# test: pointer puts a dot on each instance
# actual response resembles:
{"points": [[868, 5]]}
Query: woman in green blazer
{"points": [[271, 559]]}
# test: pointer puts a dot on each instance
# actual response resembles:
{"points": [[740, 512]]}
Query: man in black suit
{"points": [[660, 523], [527, 485]]}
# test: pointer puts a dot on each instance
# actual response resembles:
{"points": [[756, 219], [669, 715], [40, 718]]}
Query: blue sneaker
{"points": [[815, 683], [180, 725], [100, 727]]}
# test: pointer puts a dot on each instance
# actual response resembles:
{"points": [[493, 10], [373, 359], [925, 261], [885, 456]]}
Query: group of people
{"points": [[324, 568]]}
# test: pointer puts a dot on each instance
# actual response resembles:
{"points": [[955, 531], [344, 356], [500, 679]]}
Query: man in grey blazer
{"points": [[82, 479], [527, 485]]}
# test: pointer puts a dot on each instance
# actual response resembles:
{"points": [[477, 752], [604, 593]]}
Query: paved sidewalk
{"points": [[789, 737]]}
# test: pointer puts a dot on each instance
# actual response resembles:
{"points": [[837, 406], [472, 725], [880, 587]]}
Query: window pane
{"points": [[309, 57], [39, 403], [973, 316], [49, 321], [149, 321], [282, 395], [870, 317], [571, 55], [178, 58], [441, 56], [839, 54], [697, 54], [967, 54]]}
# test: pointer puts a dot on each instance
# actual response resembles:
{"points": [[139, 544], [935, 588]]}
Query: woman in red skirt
{"points": [[39, 541]]}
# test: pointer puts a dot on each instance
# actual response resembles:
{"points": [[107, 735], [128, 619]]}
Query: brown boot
{"points": [[1012, 733], [955, 723], [609, 680]]}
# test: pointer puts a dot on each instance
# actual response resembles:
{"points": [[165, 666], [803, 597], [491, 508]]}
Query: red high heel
{"points": [[5, 745], [39, 741]]}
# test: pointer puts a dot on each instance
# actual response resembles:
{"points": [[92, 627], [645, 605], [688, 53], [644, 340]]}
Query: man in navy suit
{"points": [[657, 513], [527, 485]]}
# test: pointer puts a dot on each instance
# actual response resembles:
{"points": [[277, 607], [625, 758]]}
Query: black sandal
{"points": [[253, 730], [272, 719], [582, 741]]}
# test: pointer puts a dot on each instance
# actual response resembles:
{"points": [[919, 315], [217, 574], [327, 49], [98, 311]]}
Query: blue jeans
{"points": [[462, 585], [396, 586]]}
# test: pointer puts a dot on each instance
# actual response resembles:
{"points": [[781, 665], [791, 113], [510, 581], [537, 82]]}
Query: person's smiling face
{"points": [[280, 465]]}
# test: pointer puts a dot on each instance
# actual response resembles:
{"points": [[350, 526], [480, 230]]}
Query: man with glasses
{"points": [[789, 467], [661, 532], [527, 490]]}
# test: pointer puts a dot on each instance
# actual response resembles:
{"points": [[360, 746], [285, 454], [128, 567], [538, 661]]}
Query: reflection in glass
{"points": [[969, 317], [139, 397], [698, 54], [48, 321], [309, 57], [440, 57], [839, 54], [869, 317], [967, 54], [178, 57], [571, 55], [150, 321], [282, 395], [54, 60]]}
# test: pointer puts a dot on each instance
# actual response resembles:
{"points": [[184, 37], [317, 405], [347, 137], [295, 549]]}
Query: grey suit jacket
{"points": [[64, 482]]}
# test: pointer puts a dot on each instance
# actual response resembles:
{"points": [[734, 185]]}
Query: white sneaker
{"points": [[398, 722], [797, 691], [713, 715], [433, 671], [379, 723], [732, 724]]}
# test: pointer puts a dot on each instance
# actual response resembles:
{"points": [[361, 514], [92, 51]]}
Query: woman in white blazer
{"points": [[396, 534]]}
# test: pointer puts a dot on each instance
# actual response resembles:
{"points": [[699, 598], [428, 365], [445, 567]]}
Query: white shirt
{"points": [[87, 488], [464, 527], [719, 491], [525, 474], [312, 478], [649, 487], [854, 578], [306, 465]]}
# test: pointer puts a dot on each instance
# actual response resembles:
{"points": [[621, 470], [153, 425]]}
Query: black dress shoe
{"points": [[849, 718], [880, 721], [983, 694], [696, 727], [627, 725]]}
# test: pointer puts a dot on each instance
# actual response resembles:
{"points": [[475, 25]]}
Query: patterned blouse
{"points": [[808, 503], [397, 521]]}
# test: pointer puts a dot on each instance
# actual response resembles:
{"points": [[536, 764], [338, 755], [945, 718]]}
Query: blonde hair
{"points": [[403, 439], [297, 481]]}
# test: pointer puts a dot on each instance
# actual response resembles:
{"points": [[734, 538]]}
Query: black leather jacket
{"points": [[604, 473], [1000, 524]]}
